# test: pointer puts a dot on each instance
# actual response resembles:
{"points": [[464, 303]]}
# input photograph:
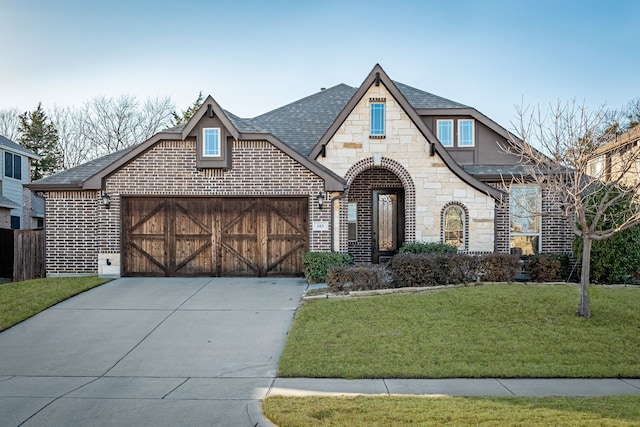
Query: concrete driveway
{"points": [[157, 352]]}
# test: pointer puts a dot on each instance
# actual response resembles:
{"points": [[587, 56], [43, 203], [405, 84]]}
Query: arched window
{"points": [[453, 226]]}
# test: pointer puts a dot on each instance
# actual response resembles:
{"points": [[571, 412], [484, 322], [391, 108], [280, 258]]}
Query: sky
{"points": [[253, 56]]}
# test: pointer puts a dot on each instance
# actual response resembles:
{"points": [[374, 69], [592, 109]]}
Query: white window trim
{"points": [[204, 141], [438, 131], [473, 132]]}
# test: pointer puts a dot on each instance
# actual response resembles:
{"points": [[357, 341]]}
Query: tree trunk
{"points": [[584, 308]]}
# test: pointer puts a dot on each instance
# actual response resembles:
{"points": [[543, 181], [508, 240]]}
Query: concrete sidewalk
{"points": [[457, 387], [463, 387]]}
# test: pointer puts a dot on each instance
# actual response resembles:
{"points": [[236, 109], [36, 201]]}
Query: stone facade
{"points": [[429, 184]]}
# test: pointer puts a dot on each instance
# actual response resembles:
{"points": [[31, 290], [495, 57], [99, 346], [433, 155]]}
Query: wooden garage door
{"points": [[214, 236]]}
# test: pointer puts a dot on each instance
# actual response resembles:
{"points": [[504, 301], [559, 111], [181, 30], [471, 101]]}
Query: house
{"points": [[617, 159], [359, 170], [19, 207]]}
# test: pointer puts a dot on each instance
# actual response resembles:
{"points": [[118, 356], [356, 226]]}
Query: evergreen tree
{"points": [[188, 113], [41, 137]]}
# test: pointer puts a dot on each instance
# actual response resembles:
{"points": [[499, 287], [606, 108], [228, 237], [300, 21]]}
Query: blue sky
{"points": [[253, 56]]}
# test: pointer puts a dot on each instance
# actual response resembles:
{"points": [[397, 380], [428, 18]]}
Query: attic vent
{"points": [[381, 99], [322, 89]]}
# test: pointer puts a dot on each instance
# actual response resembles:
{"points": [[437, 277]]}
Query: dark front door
{"points": [[388, 224]]}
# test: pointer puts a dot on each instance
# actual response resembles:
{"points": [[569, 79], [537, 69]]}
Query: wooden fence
{"points": [[25, 258]]}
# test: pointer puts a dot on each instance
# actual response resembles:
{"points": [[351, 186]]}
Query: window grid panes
{"points": [[465, 133], [445, 132], [454, 226], [211, 142], [377, 119], [525, 206]]}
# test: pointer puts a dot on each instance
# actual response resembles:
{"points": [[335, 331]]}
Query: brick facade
{"points": [[360, 192], [73, 220], [79, 228]]}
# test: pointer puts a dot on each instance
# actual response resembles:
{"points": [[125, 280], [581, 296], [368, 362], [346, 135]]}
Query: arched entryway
{"points": [[380, 210]]}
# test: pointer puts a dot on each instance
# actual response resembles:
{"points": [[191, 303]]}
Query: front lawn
{"points": [[21, 300], [484, 331], [385, 411]]}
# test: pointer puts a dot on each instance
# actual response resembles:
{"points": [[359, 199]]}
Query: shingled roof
{"points": [[9, 145], [299, 125]]}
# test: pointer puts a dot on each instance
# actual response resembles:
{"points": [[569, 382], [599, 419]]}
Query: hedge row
{"points": [[410, 270]]}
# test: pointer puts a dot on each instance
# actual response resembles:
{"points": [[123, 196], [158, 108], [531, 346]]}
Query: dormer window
{"points": [[465, 133], [211, 142], [445, 132], [377, 119]]}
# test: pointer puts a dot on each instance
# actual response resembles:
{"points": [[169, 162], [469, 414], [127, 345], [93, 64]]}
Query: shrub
{"points": [[463, 268], [427, 248], [316, 264], [547, 267], [433, 269], [613, 260], [500, 267], [357, 278]]}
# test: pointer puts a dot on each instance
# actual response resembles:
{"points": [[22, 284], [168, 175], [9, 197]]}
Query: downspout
{"points": [[333, 199]]}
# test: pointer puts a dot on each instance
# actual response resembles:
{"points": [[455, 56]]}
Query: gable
{"points": [[377, 86]]}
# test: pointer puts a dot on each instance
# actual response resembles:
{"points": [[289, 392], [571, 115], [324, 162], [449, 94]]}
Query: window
{"points": [[525, 204], [15, 222], [453, 224], [445, 132], [12, 165], [352, 221], [596, 167], [465, 133], [211, 142], [377, 118]]}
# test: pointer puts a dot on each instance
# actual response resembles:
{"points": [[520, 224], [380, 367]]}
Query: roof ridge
{"points": [[306, 98], [404, 88]]}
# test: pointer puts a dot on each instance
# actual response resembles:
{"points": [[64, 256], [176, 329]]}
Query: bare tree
{"points": [[9, 123], [74, 148], [112, 124], [595, 188]]}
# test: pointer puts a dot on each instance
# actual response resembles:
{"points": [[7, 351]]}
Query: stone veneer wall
{"points": [[404, 145]]}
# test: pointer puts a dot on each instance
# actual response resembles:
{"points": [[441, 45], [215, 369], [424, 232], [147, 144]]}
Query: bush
{"points": [[427, 248], [433, 269], [316, 264], [500, 267], [357, 278], [547, 267], [613, 260]]}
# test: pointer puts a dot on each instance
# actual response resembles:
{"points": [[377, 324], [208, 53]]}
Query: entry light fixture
{"points": [[106, 200], [320, 198]]}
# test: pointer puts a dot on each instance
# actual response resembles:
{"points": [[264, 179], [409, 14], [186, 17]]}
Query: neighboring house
{"points": [[359, 170], [19, 208], [609, 158]]}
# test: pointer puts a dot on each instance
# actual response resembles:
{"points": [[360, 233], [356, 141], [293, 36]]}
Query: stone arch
{"points": [[407, 183]]}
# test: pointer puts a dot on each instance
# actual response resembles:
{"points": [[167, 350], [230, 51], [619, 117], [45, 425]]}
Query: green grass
{"points": [[385, 411], [515, 331], [21, 300]]}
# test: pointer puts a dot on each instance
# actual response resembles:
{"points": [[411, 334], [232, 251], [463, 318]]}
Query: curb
{"points": [[257, 417]]}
